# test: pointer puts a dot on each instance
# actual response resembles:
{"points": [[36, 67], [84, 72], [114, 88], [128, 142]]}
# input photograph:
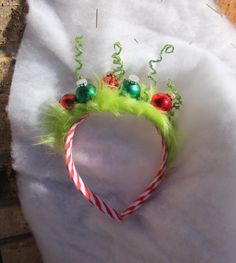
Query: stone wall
{"points": [[16, 242], [228, 7]]}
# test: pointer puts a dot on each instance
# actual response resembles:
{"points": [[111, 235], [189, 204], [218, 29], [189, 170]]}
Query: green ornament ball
{"points": [[131, 88], [85, 93]]}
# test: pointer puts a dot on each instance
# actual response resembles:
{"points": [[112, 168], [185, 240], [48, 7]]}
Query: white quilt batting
{"points": [[191, 217]]}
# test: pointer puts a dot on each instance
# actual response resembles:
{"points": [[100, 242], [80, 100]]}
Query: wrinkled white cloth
{"points": [[191, 217]]}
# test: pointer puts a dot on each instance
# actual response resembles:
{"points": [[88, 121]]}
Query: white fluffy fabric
{"points": [[191, 217]]}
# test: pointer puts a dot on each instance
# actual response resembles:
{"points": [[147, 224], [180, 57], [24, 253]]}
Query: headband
{"points": [[119, 95]]}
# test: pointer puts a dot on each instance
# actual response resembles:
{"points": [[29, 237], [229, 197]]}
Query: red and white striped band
{"points": [[93, 198]]}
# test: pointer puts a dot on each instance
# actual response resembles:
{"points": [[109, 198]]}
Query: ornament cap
{"points": [[81, 82], [172, 95], [134, 78]]}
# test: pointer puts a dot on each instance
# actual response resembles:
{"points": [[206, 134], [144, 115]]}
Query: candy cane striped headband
{"points": [[119, 95]]}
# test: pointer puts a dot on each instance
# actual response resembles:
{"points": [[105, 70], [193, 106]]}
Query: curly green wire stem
{"points": [[119, 71], [78, 54], [177, 99], [166, 49]]}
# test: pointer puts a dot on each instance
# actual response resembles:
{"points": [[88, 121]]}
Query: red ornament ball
{"points": [[162, 101], [111, 79], [68, 100]]}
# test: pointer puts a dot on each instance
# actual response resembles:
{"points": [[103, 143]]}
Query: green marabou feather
{"points": [[57, 121]]}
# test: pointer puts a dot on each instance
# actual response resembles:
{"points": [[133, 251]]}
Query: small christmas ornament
{"points": [[111, 79], [68, 101], [131, 87], [158, 109], [162, 101], [85, 91]]}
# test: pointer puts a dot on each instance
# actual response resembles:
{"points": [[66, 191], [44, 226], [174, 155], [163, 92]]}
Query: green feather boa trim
{"points": [[57, 120]]}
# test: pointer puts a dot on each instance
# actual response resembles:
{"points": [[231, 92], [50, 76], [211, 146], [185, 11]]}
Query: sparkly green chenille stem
{"points": [[166, 49], [119, 71], [78, 54]]}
